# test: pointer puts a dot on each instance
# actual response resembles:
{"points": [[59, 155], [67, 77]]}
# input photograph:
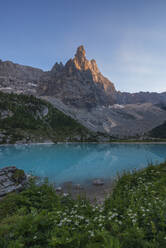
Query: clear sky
{"points": [[127, 38]]}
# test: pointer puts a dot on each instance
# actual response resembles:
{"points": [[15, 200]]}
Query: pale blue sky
{"points": [[127, 38]]}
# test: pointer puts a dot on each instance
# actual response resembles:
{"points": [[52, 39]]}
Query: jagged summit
{"points": [[81, 63], [57, 67], [80, 60], [80, 52], [90, 67], [78, 82]]}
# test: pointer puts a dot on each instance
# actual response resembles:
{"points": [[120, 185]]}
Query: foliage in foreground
{"points": [[133, 216]]}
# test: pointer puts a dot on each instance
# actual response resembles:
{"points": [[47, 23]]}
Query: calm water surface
{"points": [[80, 162]]}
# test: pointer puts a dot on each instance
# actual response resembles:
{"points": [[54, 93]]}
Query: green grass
{"points": [[133, 216]]}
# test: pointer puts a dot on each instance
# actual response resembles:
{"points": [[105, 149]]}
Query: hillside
{"points": [[26, 119], [159, 131]]}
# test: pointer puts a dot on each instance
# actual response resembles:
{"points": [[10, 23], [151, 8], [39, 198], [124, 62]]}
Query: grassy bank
{"points": [[133, 216]]}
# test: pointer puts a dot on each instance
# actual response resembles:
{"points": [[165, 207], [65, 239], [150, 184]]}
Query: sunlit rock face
{"points": [[78, 83], [82, 63]]}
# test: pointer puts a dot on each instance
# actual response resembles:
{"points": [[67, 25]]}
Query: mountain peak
{"points": [[80, 60], [80, 52], [79, 82], [82, 63]]}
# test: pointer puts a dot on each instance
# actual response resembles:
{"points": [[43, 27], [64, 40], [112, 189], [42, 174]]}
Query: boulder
{"points": [[65, 194], [59, 189], [98, 182], [11, 179]]}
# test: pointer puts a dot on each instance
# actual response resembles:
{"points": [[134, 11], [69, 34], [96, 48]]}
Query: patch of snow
{"points": [[6, 88], [31, 84], [116, 106]]}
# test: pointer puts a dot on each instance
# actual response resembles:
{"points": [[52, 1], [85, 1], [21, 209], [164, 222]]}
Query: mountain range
{"points": [[80, 91]]}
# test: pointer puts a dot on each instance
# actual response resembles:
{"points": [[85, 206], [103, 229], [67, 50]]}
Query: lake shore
{"points": [[96, 194], [112, 142]]}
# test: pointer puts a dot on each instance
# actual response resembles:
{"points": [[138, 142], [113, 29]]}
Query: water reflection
{"points": [[80, 162]]}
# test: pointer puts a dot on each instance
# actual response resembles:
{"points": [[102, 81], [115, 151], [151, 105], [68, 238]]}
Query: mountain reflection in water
{"points": [[80, 162]]}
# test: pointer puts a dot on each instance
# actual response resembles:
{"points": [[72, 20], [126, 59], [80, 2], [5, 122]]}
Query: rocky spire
{"points": [[82, 63], [82, 69], [80, 52], [80, 60], [93, 66]]}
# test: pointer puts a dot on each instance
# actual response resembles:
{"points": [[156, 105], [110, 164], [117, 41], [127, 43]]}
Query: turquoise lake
{"points": [[80, 163]]}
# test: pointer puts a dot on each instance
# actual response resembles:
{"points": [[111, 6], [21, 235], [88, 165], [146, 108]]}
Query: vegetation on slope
{"points": [[159, 132], [133, 216], [28, 119]]}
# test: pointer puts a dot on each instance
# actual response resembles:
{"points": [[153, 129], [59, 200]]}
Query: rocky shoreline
{"points": [[15, 180]]}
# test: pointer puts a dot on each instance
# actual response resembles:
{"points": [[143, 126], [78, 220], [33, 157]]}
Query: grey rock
{"points": [[59, 189], [98, 182], [5, 114], [65, 194], [10, 181]]}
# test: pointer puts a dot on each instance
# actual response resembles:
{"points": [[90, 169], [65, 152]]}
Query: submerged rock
{"points": [[65, 194], [98, 182], [11, 179], [78, 186], [59, 189]]}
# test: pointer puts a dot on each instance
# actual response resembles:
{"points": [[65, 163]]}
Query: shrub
{"points": [[133, 216]]}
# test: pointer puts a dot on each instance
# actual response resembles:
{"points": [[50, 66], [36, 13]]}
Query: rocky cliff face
{"points": [[19, 78], [140, 97], [21, 72], [82, 64], [78, 83]]}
